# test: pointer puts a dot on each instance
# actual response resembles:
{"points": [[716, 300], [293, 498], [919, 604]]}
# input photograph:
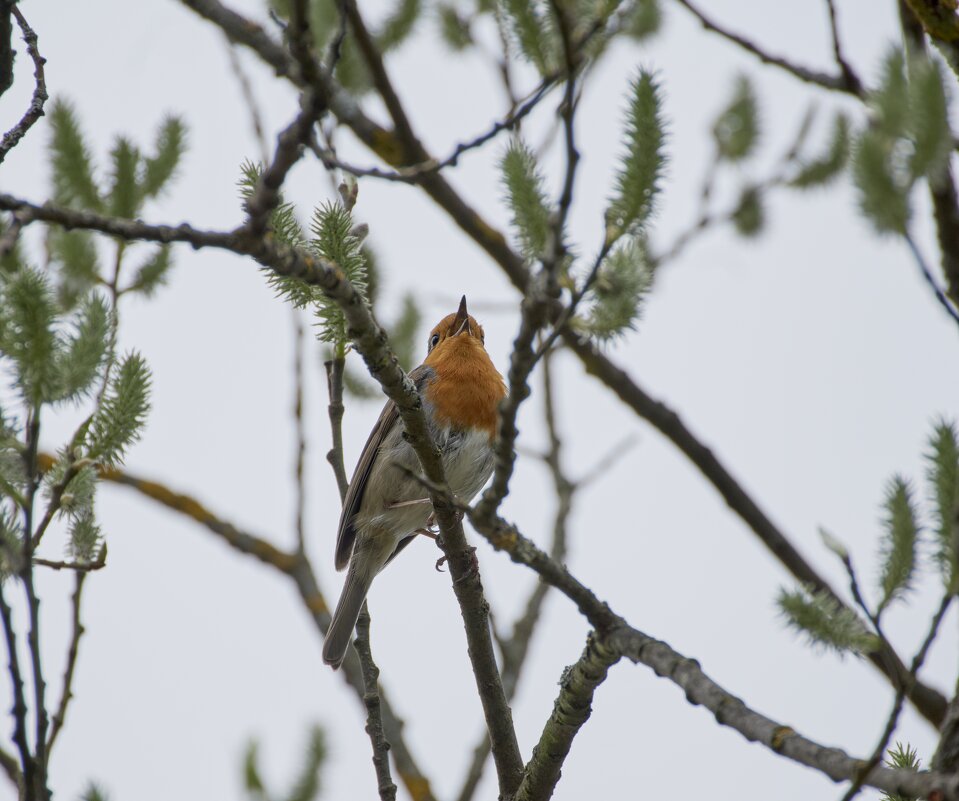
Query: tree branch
{"points": [[411, 173], [571, 710], [299, 429], [836, 83], [374, 723], [67, 693], [928, 701], [849, 75], [19, 709], [515, 649], [893, 719], [730, 711], [942, 190], [930, 279], [289, 148], [334, 383], [35, 109]]}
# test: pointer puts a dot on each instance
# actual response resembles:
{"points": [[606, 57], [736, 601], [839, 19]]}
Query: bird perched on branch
{"points": [[386, 507]]}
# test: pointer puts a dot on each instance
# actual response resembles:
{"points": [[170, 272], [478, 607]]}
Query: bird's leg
{"points": [[401, 504]]}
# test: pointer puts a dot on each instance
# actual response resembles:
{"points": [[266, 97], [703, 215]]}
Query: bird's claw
{"points": [[471, 571]]}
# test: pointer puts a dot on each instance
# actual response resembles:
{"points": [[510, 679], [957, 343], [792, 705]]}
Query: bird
{"points": [[385, 507]]}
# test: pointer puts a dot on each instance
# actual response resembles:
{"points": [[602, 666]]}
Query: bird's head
{"points": [[457, 334]]}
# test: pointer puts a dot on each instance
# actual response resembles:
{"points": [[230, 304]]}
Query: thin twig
{"points": [[567, 112], [900, 699], [77, 632], [35, 109], [386, 144], [334, 383], [249, 98], [289, 147], [374, 723], [533, 312], [834, 82], [942, 188], [413, 172], [848, 73], [79, 567], [19, 709], [40, 715], [57, 492], [299, 426], [930, 279]]}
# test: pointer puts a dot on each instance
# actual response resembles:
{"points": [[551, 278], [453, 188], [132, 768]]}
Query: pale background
{"points": [[813, 360]]}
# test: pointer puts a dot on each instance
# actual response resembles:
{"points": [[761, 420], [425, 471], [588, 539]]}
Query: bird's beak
{"points": [[461, 322]]}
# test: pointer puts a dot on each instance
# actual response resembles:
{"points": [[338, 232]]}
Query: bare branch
{"points": [[374, 723], [897, 705], [522, 360], [249, 99], [928, 701], [19, 710], [942, 190], [930, 279], [411, 173], [41, 718], [388, 145], [120, 227], [334, 383], [79, 567], [77, 632], [299, 427], [56, 498], [849, 75], [699, 689], [755, 727], [837, 83], [244, 31], [571, 710], [289, 148], [35, 109]]}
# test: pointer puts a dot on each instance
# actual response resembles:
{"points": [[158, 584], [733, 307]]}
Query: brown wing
{"points": [[354, 495]]}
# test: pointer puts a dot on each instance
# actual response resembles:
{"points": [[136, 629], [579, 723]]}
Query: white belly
{"points": [[396, 505]]}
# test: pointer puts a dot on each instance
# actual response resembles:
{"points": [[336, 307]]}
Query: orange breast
{"points": [[467, 388]]}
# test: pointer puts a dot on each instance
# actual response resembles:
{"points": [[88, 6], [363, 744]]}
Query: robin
{"points": [[385, 508]]}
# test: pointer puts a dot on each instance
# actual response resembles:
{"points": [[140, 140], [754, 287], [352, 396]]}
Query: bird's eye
{"points": [[434, 341]]}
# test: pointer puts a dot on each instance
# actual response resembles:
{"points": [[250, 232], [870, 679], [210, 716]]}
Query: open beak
{"points": [[461, 322]]}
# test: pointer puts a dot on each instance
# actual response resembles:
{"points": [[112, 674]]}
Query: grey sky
{"points": [[812, 359]]}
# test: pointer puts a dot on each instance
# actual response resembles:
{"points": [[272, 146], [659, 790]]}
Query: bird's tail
{"points": [[344, 617]]}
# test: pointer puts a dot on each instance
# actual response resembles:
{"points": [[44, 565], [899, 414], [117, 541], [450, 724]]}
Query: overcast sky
{"points": [[812, 360]]}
